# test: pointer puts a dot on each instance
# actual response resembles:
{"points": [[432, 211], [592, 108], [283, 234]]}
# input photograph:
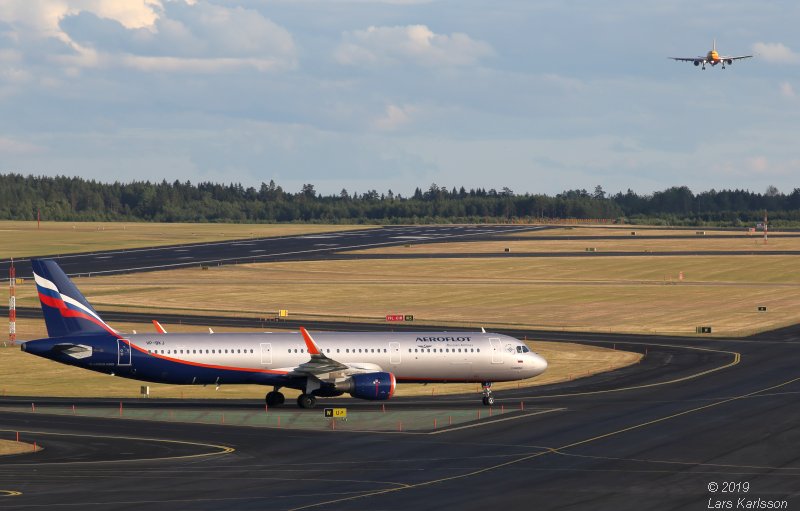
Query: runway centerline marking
{"points": [[10, 493]]}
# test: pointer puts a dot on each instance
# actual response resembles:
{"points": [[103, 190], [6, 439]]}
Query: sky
{"points": [[539, 97]]}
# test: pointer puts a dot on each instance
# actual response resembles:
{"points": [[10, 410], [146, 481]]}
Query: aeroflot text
{"points": [[443, 339]]}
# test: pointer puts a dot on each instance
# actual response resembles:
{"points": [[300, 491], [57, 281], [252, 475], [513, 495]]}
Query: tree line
{"points": [[77, 199]]}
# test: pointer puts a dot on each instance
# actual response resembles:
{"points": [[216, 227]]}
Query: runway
{"points": [[652, 436], [248, 250], [335, 245]]}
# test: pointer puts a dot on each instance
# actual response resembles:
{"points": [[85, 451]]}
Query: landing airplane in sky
{"points": [[366, 365], [712, 57]]}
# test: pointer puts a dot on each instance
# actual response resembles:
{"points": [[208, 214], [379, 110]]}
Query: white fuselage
{"points": [[411, 357]]}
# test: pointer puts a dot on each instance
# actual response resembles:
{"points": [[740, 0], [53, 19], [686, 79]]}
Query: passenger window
{"points": [[337, 350], [348, 350], [478, 350]]}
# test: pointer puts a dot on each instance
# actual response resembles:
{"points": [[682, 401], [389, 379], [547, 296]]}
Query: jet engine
{"points": [[696, 63], [373, 386], [729, 61]]}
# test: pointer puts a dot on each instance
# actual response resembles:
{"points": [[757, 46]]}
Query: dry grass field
{"points": [[21, 239], [12, 447], [22, 374], [622, 242], [626, 294]]}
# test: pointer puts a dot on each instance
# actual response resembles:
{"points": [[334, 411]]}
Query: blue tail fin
{"points": [[66, 311]]}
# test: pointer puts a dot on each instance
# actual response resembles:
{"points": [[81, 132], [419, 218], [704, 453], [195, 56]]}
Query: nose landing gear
{"points": [[488, 399]]}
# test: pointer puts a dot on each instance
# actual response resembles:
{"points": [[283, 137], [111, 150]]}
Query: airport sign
{"points": [[335, 413]]}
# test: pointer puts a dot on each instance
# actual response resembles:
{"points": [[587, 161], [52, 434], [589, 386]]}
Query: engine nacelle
{"points": [[377, 386], [696, 63], [729, 61]]}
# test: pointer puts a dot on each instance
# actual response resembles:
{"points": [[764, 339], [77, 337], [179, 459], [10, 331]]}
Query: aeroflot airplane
{"points": [[366, 365]]}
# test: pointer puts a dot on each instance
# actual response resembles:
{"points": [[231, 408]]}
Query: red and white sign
{"points": [[395, 317]]}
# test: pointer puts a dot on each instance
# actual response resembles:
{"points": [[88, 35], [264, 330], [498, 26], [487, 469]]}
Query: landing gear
{"points": [[488, 399], [306, 401], [275, 398]]}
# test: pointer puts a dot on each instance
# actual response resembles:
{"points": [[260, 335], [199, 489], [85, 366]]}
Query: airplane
{"points": [[712, 57], [366, 365]]}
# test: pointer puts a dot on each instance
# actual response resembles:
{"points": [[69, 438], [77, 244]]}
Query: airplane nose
{"points": [[539, 364]]}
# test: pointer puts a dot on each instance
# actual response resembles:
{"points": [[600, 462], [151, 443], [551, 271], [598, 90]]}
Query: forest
{"points": [[76, 199]]}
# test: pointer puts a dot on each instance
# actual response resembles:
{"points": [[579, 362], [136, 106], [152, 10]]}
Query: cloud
{"points": [[787, 91], [416, 44], [194, 36], [394, 117], [776, 53], [9, 145]]}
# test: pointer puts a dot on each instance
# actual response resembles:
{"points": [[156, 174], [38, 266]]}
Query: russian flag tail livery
{"points": [[66, 311]]}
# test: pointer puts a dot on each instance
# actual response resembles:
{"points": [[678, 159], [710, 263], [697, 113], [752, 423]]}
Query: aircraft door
{"points": [[266, 353], [123, 352], [394, 352], [497, 351]]}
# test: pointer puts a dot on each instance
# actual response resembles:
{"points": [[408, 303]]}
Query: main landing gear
{"points": [[306, 401], [275, 398], [488, 399]]}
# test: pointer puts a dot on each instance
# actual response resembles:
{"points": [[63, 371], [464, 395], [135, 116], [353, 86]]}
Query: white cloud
{"points": [[150, 35], [9, 145], [776, 52], [758, 164], [394, 117], [416, 44], [787, 91]]}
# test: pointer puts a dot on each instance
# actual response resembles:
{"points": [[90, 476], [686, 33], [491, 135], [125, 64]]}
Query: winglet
{"points": [[310, 344], [159, 328]]}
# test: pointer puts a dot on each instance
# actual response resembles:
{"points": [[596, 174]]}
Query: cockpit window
{"points": [[522, 349]]}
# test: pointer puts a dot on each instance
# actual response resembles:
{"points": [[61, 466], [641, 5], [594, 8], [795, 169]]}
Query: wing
{"points": [[319, 364], [737, 58], [689, 59]]}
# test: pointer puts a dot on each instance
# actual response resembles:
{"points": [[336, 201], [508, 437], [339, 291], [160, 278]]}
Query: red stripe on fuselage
{"points": [[208, 366]]}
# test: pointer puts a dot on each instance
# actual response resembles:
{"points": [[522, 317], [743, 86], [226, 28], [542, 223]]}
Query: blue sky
{"points": [[360, 94]]}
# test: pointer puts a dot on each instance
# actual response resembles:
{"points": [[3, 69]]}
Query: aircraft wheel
{"points": [[306, 401], [275, 399], [488, 400]]}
